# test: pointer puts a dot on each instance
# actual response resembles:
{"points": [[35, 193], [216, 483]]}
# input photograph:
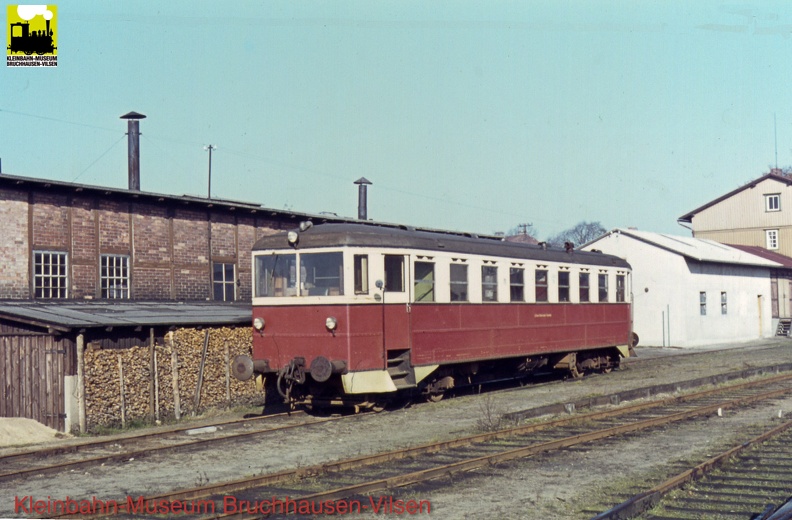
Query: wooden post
{"points": [[201, 373], [81, 382], [228, 373], [152, 368], [175, 374], [156, 388], [121, 387]]}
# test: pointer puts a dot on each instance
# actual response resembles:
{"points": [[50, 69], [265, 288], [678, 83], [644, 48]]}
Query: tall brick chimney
{"points": [[133, 140]]}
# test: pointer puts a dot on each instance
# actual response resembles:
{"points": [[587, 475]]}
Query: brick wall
{"points": [[15, 264], [168, 246]]}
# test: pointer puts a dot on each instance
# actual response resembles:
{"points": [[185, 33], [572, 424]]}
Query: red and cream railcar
{"points": [[358, 313]]}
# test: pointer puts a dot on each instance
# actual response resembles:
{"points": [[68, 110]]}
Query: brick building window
{"points": [[50, 278], [223, 282], [114, 277]]}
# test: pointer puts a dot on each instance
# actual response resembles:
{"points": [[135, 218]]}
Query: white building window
{"points": [[114, 277], [771, 238], [49, 275], [773, 202], [703, 303], [723, 302]]}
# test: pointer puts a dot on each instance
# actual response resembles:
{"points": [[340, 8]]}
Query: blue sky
{"points": [[466, 115]]}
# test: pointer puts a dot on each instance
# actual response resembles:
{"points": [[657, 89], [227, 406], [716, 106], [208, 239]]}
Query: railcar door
{"points": [[395, 314]]}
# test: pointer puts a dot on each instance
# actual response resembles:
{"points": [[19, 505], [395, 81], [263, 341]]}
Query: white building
{"points": [[689, 291]]}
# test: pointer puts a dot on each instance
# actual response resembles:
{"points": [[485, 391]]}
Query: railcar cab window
{"points": [[361, 274], [603, 287], [276, 275], [541, 285], [321, 274], [459, 283], [394, 273], [517, 284], [563, 286], [424, 281], [620, 290], [489, 283]]}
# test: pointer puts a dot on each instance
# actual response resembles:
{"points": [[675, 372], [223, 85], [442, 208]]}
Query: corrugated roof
{"points": [[697, 249], [63, 315]]}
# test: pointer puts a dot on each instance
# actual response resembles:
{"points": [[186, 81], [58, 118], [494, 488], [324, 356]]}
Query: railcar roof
{"points": [[367, 235]]}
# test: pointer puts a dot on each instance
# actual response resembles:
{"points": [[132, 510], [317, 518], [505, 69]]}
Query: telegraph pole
{"points": [[210, 147]]}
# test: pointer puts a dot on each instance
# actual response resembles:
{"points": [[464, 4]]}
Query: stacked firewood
{"points": [[118, 382]]}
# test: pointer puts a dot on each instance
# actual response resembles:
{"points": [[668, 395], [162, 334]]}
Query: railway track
{"points": [[751, 481], [322, 484], [133, 446]]}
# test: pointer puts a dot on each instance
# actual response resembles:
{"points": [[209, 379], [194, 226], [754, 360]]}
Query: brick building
{"points": [[112, 268], [63, 240]]}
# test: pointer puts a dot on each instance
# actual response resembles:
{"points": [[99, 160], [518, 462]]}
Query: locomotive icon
{"points": [[27, 41]]}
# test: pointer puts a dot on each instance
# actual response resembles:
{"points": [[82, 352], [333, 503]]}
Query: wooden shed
{"points": [[42, 345]]}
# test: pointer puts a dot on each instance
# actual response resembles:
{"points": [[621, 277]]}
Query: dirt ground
{"points": [[18, 431], [565, 485]]}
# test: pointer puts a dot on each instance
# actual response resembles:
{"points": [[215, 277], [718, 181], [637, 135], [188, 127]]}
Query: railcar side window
{"points": [[583, 281], [620, 288], [322, 274], [276, 275], [603, 287], [424, 282], [541, 285], [361, 274], [517, 284], [563, 286], [394, 273], [489, 283], [459, 283]]}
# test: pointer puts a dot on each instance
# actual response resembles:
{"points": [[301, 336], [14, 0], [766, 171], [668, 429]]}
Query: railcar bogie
{"points": [[354, 314]]}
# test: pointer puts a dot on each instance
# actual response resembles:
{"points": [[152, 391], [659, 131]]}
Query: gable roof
{"points": [[765, 253], [688, 217], [698, 249]]}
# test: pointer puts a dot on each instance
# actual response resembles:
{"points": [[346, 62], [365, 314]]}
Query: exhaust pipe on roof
{"points": [[133, 139], [363, 184]]}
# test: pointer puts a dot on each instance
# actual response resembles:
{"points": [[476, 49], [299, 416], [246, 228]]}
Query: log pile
{"points": [[107, 405]]}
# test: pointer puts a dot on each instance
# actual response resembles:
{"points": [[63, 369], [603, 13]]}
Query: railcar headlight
{"points": [[331, 323], [258, 323], [292, 237]]}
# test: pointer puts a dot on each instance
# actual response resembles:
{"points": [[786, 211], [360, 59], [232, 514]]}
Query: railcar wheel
{"points": [[435, 397]]}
